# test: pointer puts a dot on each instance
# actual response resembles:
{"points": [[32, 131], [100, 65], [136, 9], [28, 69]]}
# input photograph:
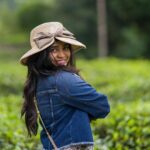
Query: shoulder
{"points": [[66, 76], [68, 80]]}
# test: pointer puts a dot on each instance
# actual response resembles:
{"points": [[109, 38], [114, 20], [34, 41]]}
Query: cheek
{"points": [[68, 54], [52, 56]]}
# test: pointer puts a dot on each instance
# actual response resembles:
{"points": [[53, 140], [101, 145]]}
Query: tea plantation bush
{"points": [[13, 135], [126, 128], [125, 82], [121, 80]]}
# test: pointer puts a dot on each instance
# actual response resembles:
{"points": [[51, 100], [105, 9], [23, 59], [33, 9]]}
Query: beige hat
{"points": [[45, 34]]}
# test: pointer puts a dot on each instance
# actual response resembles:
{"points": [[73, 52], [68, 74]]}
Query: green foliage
{"points": [[9, 30], [11, 74], [125, 82], [128, 26], [12, 129], [127, 23], [122, 80], [133, 44], [127, 127], [31, 15]]}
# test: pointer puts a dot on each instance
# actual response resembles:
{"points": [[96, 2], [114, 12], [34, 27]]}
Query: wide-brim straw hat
{"points": [[44, 35]]}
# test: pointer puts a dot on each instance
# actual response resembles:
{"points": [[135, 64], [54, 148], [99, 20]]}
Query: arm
{"points": [[79, 94]]}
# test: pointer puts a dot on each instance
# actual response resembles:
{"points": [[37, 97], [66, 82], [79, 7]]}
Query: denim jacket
{"points": [[67, 104]]}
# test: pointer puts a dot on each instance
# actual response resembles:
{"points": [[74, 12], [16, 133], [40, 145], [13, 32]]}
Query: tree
{"points": [[102, 29]]}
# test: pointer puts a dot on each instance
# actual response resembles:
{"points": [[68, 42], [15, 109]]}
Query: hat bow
{"points": [[43, 39]]}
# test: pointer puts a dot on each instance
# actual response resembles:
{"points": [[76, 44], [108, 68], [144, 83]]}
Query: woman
{"points": [[66, 103]]}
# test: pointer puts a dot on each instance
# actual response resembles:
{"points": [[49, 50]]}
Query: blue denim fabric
{"points": [[67, 104]]}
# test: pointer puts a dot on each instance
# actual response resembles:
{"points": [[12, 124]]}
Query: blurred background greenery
{"points": [[127, 22], [121, 73]]}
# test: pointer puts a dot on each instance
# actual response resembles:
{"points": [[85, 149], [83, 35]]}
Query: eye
{"points": [[66, 47], [53, 49]]}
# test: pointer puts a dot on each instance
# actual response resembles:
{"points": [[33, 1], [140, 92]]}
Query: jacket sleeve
{"points": [[79, 94]]}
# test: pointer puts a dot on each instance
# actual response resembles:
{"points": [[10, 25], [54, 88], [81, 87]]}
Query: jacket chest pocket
{"points": [[50, 104]]}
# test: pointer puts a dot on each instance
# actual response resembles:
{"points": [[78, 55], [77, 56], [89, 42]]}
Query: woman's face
{"points": [[60, 53]]}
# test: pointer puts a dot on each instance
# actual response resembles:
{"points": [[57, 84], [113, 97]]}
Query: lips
{"points": [[62, 62]]}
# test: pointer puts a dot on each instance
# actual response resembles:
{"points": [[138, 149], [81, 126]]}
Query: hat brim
{"points": [[23, 59], [76, 45]]}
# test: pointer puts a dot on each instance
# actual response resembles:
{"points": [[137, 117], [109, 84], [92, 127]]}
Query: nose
{"points": [[61, 53]]}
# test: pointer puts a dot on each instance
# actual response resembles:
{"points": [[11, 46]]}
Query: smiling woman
{"points": [[60, 53], [54, 89]]}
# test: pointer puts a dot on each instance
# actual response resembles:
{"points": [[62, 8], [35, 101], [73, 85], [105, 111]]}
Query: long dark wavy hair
{"points": [[39, 65]]}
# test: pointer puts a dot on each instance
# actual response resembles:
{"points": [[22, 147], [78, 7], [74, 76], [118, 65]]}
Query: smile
{"points": [[62, 62]]}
